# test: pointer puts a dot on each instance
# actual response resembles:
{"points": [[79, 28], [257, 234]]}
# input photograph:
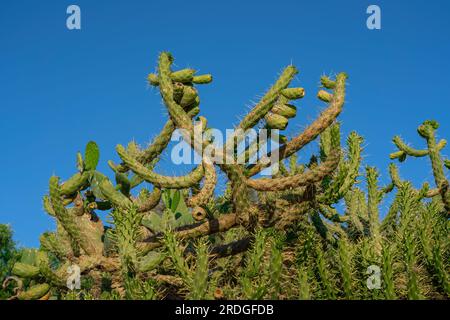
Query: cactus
{"points": [[273, 237], [427, 130]]}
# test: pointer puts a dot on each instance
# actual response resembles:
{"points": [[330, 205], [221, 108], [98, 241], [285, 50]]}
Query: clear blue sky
{"points": [[60, 88]]}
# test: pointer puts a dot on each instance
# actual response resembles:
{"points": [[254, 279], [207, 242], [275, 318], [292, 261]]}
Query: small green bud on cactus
{"points": [[202, 79], [293, 93], [285, 110], [427, 128], [153, 79], [327, 82], [324, 96], [189, 96], [275, 121], [183, 76], [73, 184], [35, 292]]}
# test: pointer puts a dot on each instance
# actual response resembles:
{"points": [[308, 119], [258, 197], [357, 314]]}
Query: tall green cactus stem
{"points": [[126, 235], [374, 197], [388, 272], [346, 266], [427, 130], [348, 169], [87, 240]]}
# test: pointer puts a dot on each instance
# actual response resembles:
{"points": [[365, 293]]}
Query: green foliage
{"points": [[8, 257]]}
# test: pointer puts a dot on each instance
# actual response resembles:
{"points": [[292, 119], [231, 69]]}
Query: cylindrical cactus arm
{"points": [[207, 191], [182, 76], [405, 150], [57, 245], [397, 182], [126, 234], [356, 210], [331, 214], [48, 206], [395, 176], [75, 183], [38, 269], [220, 224], [68, 221], [266, 103], [374, 197], [330, 139], [325, 119], [159, 143], [299, 180], [427, 130], [35, 292], [109, 192], [149, 202], [177, 114], [354, 143], [158, 180], [85, 238], [347, 172]]}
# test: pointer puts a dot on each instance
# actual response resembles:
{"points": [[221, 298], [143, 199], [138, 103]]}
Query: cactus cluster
{"points": [[281, 237]]}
